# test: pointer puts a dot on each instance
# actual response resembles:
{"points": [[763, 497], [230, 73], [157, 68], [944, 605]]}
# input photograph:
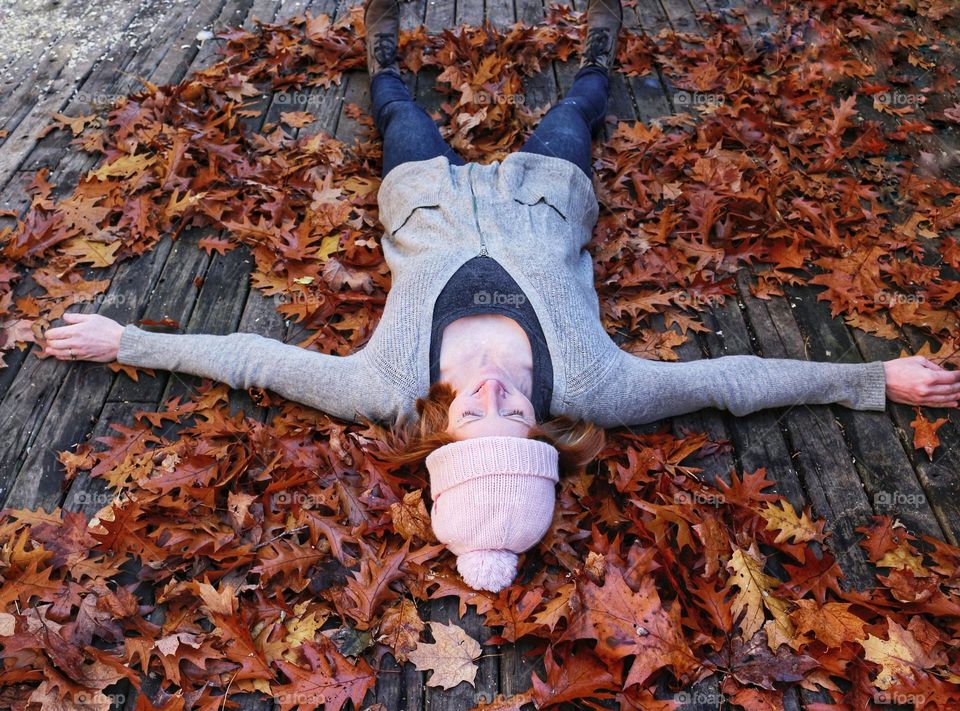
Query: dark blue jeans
{"points": [[566, 131]]}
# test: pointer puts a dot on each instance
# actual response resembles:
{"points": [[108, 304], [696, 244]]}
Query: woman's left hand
{"points": [[919, 381], [86, 337]]}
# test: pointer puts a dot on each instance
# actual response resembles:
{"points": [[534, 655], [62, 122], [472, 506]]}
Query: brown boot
{"points": [[604, 18], [382, 20]]}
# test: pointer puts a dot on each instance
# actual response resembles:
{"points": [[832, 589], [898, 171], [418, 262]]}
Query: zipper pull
{"points": [[483, 251]]}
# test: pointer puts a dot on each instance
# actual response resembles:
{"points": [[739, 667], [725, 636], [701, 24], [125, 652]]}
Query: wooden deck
{"points": [[836, 459]]}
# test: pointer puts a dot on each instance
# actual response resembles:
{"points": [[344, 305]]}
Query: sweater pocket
{"points": [[399, 209], [540, 196], [416, 225], [544, 224]]}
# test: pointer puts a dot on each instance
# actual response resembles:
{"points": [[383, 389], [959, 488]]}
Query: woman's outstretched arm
{"points": [[329, 383], [636, 390]]}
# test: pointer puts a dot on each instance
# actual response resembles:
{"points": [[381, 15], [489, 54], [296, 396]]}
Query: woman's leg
{"points": [[408, 132], [567, 130]]}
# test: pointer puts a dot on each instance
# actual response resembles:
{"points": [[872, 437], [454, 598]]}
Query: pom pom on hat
{"points": [[488, 570], [493, 497]]}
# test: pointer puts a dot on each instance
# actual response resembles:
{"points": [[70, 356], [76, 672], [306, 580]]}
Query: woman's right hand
{"points": [[916, 380], [86, 337]]}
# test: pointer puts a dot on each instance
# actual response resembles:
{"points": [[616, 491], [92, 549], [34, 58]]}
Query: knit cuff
{"points": [[872, 387], [455, 463], [132, 346]]}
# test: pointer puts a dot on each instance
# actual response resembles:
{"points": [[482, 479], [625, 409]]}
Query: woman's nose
{"points": [[490, 393]]}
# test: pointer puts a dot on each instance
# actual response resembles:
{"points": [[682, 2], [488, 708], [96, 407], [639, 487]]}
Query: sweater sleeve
{"points": [[332, 384], [636, 390]]}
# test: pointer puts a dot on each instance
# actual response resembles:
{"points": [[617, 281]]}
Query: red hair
{"points": [[577, 442]]}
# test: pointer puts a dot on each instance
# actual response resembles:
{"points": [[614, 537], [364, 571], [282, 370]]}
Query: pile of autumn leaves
{"points": [[287, 558]]}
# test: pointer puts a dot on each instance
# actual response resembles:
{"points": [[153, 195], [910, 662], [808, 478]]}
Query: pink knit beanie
{"points": [[493, 497]]}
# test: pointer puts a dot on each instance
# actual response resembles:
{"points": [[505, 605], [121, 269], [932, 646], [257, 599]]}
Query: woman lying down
{"points": [[499, 395]]}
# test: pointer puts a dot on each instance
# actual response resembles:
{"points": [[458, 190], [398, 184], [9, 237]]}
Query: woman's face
{"points": [[490, 407]]}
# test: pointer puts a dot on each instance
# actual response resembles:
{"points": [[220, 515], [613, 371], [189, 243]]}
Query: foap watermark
{"points": [[101, 299], [899, 100], [298, 99], [898, 498], [498, 298], [698, 497], [883, 698], [700, 698], [298, 297], [896, 297], [300, 498], [696, 98], [97, 98], [82, 498], [485, 98], [685, 298], [306, 699], [98, 700]]}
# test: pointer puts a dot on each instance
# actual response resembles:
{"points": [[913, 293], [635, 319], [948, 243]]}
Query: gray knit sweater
{"points": [[534, 214]]}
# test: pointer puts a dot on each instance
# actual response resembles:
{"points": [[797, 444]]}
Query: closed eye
{"points": [[512, 413]]}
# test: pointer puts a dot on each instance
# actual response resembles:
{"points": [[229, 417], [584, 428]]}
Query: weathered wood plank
{"points": [[439, 15], [469, 12], [936, 152], [649, 92], [680, 15], [565, 71], [175, 291], [22, 75], [88, 496], [223, 302], [110, 299], [67, 165], [501, 13], [226, 302], [774, 439], [810, 440], [260, 312], [26, 125], [758, 437], [220, 302], [389, 689], [70, 418], [886, 473], [35, 387], [937, 484], [356, 90], [620, 105], [463, 696], [117, 76], [540, 89], [705, 694]]}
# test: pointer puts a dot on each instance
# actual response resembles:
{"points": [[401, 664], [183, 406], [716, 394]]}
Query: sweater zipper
{"points": [[476, 218]]}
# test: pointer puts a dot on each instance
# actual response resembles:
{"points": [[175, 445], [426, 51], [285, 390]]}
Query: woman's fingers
{"points": [[62, 353], [950, 390], [75, 325], [927, 363], [935, 400], [945, 377], [60, 332]]}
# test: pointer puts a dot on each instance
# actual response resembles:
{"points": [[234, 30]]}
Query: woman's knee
{"points": [[393, 110]]}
